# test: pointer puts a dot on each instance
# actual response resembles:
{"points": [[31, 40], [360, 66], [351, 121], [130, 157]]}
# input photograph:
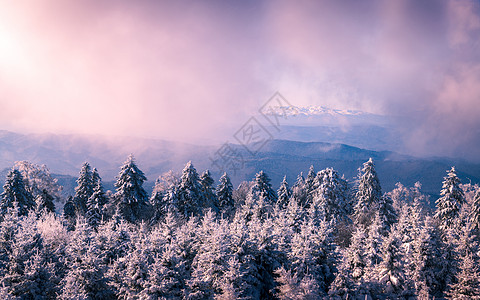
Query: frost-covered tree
{"points": [[425, 262], [467, 285], [299, 192], [290, 286], [37, 178], [14, 192], [44, 202], [284, 193], [475, 212], [330, 195], [390, 271], [310, 185], [312, 254], [368, 195], [130, 197], [164, 195], [225, 195], [208, 190], [189, 196], [97, 201], [263, 189], [386, 213], [84, 189], [450, 202]]}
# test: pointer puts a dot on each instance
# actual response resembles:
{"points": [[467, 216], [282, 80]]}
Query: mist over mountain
{"points": [[64, 155]]}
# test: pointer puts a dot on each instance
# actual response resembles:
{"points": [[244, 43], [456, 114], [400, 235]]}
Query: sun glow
{"points": [[13, 54]]}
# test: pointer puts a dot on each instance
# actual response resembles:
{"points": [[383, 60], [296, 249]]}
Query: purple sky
{"points": [[190, 70]]}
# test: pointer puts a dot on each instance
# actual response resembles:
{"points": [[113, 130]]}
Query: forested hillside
{"points": [[319, 237]]}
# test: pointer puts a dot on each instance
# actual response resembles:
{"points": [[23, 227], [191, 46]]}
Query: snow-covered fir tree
{"points": [[130, 197], [225, 195], [262, 189], [299, 192], [310, 185], [37, 178], [84, 189], [284, 193], [190, 200], [451, 200], [164, 195], [475, 211], [467, 284], [97, 201], [368, 195], [330, 196], [14, 192], [208, 190], [44, 202]]}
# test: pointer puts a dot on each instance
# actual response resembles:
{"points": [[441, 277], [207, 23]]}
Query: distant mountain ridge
{"points": [[64, 155]]}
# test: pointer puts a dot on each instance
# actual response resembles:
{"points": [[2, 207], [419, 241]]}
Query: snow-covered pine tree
{"points": [[262, 189], [130, 197], [330, 195], [313, 253], [84, 189], [44, 202], [14, 192], [190, 201], [291, 287], [310, 185], [97, 201], [69, 213], [284, 193], [425, 260], [208, 190], [450, 202], [467, 284], [225, 195], [387, 213], [391, 274], [38, 178], [164, 195], [475, 212], [298, 190], [368, 194]]}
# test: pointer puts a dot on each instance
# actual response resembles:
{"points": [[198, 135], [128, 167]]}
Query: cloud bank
{"points": [[196, 71]]}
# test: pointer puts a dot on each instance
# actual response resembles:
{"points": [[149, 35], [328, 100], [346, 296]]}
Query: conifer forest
{"points": [[194, 237]]}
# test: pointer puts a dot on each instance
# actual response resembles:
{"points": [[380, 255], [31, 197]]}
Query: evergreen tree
{"points": [[69, 213], [84, 189], [225, 195], [164, 195], [310, 185], [284, 193], [299, 191], [475, 212], [14, 192], [426, 260], [190, 199], [97, 201], [386, 212], [131, 198], [262, 189], [450, 202], [368, 195], [208, 190], [330, 195], [391, 272], [37, 179], [467, 285], [44, 202]]}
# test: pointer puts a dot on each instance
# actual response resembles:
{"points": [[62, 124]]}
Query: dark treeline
{"points": [[192, 238]]}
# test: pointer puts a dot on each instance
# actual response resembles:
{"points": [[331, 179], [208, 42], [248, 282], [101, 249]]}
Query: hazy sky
{"points": [[192, 69]]}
